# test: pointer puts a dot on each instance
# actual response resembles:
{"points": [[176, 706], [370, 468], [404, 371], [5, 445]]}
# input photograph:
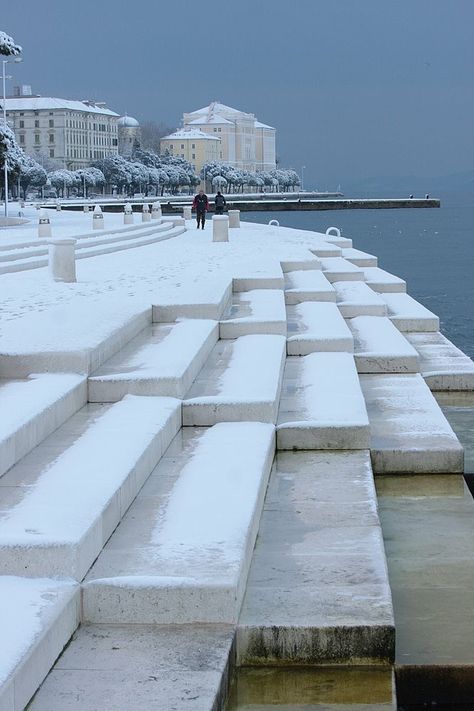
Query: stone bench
{"points": [[340, 269], [307, 286], [37, 618], [241, 381], [34, 407], [64, 499], [257, 311], [442, 365], [162, 360], [383, 282], [182, 553], [379, 347], [408, 431], [408, 314], [322, 406], [318, 589], [360, 259], [317, 326], [355, 298]]}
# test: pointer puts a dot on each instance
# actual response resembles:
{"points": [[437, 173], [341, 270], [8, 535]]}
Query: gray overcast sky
{"points": [[355, 88]]}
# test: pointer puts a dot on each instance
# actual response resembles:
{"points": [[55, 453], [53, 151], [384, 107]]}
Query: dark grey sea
{"points": [[432, 249]]}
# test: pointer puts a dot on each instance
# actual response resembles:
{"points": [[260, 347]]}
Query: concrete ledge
{"points": [[299, 264], [258, 281], [383, 282], [409, 315], [317, 326], [354, 298], [360, 259], [379, 347], [240, 382], [443, 366], [184, 306], [340, 269], [307, 286], [257, 311]]}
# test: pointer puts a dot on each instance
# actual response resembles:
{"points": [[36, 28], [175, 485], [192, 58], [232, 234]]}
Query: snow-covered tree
{"points": [[116, 170], [219, 182], [8, 48], [62, 181], [31, 174]]}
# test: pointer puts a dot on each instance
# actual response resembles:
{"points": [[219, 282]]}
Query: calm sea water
{"points": [[432, 249]]}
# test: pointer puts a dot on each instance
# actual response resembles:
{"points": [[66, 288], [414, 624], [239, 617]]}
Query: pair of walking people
{"points": [[201, 205]]}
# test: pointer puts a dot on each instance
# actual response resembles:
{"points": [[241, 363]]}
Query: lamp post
{"points": [[5, 167], [302, 178]]}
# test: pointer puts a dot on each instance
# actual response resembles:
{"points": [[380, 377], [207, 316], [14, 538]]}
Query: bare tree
{"points": [[151, 133]]}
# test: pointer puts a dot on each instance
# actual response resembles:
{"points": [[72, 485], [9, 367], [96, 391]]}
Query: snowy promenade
{"points": [[188, 441]]}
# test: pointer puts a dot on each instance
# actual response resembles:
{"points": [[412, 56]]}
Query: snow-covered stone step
{"points": [[342, 242], [70, 338], [383, 282], [321, 405], [307, 286], [131, 667], [33, 407], [442, 364], [379, 347], [408, 431], [408, 314], [37, 618], [355, 298], [340, 269], [256, 311], [324, 249], [317, 326], [163, 359], [241, 381], [268, 278], [318, 590], [294, 264], [59, 505], [198, 302], [182, 552], [360, 259]]}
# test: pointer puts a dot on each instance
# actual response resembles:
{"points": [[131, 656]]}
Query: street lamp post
{"points": [[5, 166], [302, 177]]}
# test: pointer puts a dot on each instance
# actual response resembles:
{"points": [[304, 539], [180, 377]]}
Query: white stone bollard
{"points": [[187, 213], [44, 225], [62, 259], [220, 228], [58, 207], [334, 231], [156, 213], [234, 218], [22, 203], [146, 215], [97, 218], [86, 208], [128, 214]]}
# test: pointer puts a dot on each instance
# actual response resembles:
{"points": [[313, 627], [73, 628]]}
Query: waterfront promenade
{"points": [[210, 452]]}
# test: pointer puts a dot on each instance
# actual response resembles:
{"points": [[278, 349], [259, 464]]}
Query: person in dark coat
{"points": [[220, 203], [201, 205]]}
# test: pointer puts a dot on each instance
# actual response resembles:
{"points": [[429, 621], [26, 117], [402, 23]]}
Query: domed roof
{"points": [[127, 122]]}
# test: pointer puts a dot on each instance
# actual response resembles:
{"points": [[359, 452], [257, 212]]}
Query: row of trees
{"points": [[223, 176]]}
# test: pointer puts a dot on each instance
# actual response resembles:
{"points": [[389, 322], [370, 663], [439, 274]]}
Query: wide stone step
{"points": [[256, 311], [355, 298], [317, 326], [307, 286], [442, 364], [240, 381], [138, 667], [322, 406], [68, 338], [360, 259], [408, 431], [294, 263], [32, 408], [163, 359], [208, 300], [318, 590], [342, 242], [379, 347], [383, 282], [37, 618], [59, 505], [182, 552], [340, 269], [409, 315]]}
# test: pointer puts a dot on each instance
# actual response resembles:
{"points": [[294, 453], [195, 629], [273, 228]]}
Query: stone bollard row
{"points": [[146, 215], [234, 218], [128, 214], [97, 218], [220, 228], [62, 259]]}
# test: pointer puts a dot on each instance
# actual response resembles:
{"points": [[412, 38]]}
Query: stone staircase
{"points": [[147, 451]]}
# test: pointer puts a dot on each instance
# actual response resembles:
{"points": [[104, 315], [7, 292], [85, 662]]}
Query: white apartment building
{"points": [[72, 133], [246, 143]]}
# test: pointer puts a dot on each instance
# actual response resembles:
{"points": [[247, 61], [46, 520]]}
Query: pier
{"points": [[230, 478]]}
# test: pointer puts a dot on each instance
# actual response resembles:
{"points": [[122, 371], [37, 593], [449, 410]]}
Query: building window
{"points": [[114, 141], [37, 124], [171, 146], [215, 130], [37, 138], [182, 146], [219, 130], [51, 152], [51, 137], [22, 124], [193, 156], [22, 113], [193, 145], [51, 123], [22, 138]]}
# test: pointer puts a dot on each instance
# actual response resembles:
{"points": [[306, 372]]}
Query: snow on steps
{"points": [[340, 269], [408, 431], [182, 552], [37, 618], [241, 381], [383, 282], [163, 359], [360, 259], [60, 504], [379, 347], [408, 314], [443, 366], [204, 304], [257, 311], [317, 326], [354, 298], [322, 406], [307, 286], [32, 408]]}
